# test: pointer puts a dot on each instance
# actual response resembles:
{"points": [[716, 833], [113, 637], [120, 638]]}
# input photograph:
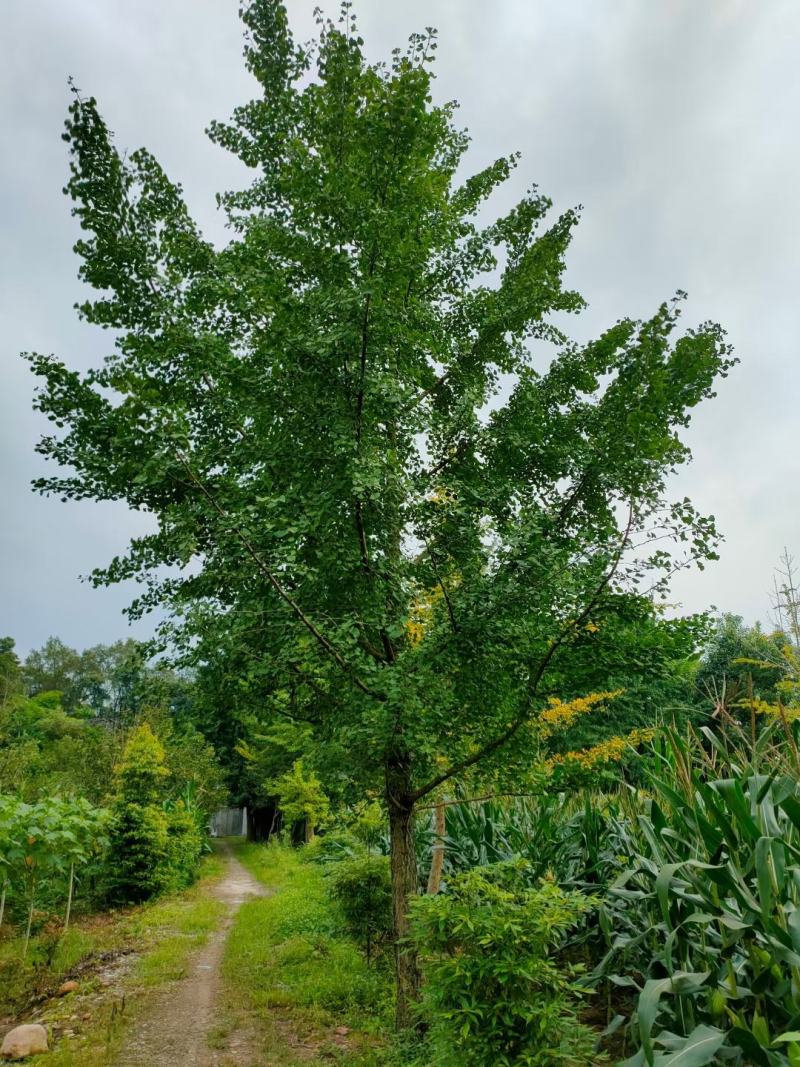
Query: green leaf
{"points": [[699, 1049]]}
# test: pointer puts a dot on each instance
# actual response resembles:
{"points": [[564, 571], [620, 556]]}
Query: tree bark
{"points": [[404, 886]]}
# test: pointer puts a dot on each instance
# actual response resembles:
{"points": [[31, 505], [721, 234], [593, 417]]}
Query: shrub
{"points": [[138, 860], [493, 995], [370, 827], [362, 886], [333, 847], [186, 842]]}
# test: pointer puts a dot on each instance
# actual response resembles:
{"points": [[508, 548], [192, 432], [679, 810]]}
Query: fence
{"points": [[229, 822]]}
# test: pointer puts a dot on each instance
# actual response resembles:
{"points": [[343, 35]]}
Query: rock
{"points": [[67, 987], [24, 1041]]}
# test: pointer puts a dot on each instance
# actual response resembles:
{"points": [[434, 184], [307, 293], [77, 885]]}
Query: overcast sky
{"points": [[673, 122]]}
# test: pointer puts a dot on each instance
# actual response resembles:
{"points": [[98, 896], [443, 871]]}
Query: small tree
{"points": [[83, 829], [369, 825], [301, 797], [139, 855], [362, 885]]}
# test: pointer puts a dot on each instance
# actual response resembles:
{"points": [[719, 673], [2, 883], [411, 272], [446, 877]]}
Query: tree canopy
{"points": [[386, 484]]}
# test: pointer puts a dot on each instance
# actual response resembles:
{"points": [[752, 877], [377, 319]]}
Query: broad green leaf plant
{"points": [[49, 841]]}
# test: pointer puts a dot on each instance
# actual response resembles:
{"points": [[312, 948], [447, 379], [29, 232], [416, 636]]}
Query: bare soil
{"points": [[175, 1027]]}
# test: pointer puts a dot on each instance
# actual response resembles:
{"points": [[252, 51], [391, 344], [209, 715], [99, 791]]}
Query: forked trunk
{"points": [[404, 886]]}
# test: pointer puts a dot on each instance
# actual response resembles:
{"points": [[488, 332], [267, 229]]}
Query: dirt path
{"points": [[174, 1030]]}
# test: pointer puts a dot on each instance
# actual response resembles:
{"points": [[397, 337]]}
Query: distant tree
{"points": [[112, 676], [786, 598], [738, 657], [10, 670], [361, 411], [56, 667]]}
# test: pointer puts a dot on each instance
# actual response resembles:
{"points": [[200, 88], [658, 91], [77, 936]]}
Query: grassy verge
{"points": [[294, 977], [117, 958]]}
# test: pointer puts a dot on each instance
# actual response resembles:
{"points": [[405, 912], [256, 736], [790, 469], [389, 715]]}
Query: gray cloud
{"points": [[672, 123]]}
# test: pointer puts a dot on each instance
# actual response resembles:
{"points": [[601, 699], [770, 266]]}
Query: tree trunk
{"points": [[28, 928], [404, 886], [261, 821], [437, 853], [69, 898]]}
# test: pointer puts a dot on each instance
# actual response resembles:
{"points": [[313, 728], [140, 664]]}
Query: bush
{"points": [[138, 859], [186, 843], [155, 844], [493, 995], [362, 886], [333, 847], [371, 828]]}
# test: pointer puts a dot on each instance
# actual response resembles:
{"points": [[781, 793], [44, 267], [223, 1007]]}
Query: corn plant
{"points": [[704, 919], [556, 836]]}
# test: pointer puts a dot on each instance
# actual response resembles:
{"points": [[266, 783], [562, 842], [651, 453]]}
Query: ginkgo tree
{"points": [[364, 397]]}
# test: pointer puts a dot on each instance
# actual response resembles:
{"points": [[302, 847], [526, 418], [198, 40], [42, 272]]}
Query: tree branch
{"points": [[325, 643], [439, 579], [496, 743]]}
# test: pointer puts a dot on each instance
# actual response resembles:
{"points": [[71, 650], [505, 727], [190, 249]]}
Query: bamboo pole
{"points": [[69, 896], [437, 855]]}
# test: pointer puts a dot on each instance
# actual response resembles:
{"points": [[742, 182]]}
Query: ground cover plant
{"points": [[292, 967]]}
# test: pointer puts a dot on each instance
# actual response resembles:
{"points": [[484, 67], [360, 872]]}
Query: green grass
{"points": [[162, 934], [291, 971], [181, 927], [48, 961]]}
